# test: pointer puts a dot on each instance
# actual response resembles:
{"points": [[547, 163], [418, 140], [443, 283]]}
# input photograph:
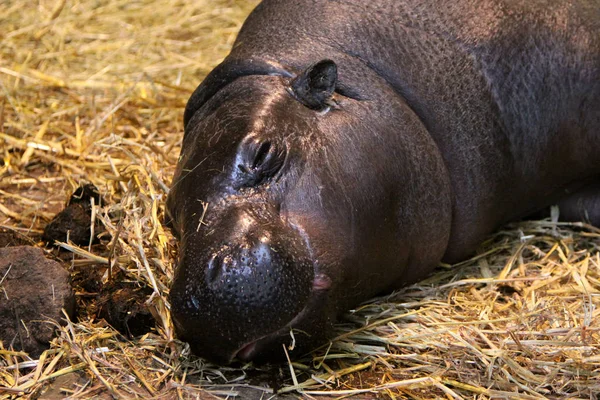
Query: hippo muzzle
{"points": [[251, 283]]}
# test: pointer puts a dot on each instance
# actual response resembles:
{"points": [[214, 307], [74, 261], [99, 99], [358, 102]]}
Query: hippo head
{"points": [[274, 219]]}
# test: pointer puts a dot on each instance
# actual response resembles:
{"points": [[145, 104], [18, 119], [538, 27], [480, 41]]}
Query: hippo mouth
{"points": [[257, 347], [250, 350]]}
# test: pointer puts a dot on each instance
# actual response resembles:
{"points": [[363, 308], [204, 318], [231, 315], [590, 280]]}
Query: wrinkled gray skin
{"points": [[449, 118]]}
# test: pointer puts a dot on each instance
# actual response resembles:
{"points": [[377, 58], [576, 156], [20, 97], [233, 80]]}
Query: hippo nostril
{"points": [[214, 269]]}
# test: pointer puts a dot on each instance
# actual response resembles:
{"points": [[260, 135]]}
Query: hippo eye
{"points": [[259, 161], [261, 154]]}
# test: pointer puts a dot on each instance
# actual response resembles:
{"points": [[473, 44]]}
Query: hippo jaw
{"points": [[268, 346], [241, 296]]}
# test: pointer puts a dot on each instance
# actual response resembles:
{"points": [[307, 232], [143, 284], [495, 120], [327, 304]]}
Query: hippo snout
{"points": [[228, 295]]}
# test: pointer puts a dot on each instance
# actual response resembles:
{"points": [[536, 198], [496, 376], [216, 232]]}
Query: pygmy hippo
{"points": [[345, 147]]}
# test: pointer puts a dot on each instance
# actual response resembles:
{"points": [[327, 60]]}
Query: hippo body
{"points": [[345, 147]]}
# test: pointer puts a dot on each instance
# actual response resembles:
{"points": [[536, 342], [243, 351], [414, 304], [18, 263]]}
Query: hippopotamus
{"points": [[344, 148]]}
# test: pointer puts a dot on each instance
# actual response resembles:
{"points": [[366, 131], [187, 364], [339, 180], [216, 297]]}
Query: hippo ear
{"points": [[315, 86]]}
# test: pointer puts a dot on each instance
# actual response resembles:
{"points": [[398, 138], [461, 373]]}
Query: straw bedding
{"points": [[93, 92]]}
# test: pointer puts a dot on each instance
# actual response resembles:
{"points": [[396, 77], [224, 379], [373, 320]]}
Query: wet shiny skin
{"points": [[345, 147]]}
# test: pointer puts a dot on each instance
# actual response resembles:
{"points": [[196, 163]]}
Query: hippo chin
{"points": [[345, 148]]}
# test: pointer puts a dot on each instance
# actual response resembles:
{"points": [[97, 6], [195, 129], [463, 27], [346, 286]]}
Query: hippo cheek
{"points": [[234, 294]]}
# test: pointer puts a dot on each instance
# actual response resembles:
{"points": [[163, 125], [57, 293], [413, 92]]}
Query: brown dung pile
{"points": [[93, 92]]}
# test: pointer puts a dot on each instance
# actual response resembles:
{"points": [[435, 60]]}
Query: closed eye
{"points": [[261, 154], [258, 162]]}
